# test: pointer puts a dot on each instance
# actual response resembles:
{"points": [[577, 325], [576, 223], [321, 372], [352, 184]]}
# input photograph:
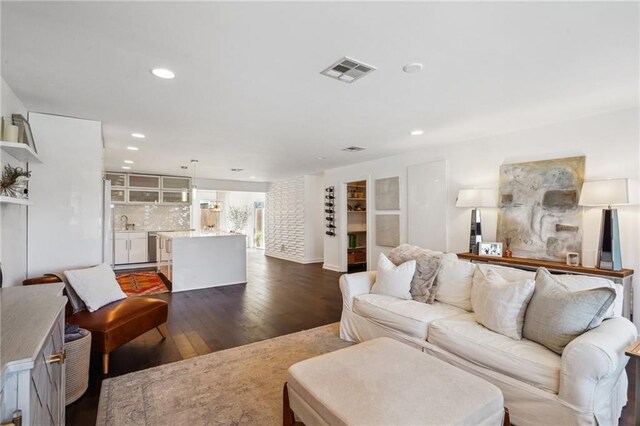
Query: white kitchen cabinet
{"points": [[33, 368], [121, 250], [131, 247], [142, 196]]}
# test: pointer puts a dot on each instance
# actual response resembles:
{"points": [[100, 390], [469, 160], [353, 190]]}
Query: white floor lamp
{"points": [[607, 193], [476, 198]]}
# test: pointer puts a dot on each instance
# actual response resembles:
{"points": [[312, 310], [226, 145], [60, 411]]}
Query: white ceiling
{"points": [[248, 92]]}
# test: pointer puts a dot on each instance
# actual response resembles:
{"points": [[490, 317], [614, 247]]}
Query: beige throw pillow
{"points": [[392, 280], [500, 305], [423, 283], [556, 315]]}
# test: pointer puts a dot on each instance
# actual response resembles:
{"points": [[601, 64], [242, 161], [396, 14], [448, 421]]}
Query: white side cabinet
{"points": [[33, 369], [130, 247]]}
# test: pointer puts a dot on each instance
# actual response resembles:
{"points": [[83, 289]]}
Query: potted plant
{"points": [[14, 182]]}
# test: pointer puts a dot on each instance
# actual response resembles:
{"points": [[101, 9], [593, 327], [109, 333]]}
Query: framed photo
{"points": [[490, 249], [25, 135]]}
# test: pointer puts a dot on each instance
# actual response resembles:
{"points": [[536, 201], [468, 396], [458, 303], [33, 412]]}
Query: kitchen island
{"points": [[198, 259]]}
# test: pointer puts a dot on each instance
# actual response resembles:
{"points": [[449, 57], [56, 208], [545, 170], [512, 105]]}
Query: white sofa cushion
{"points": [[407, 316], [393, 280], [524, 360], [500, 305], [454, 283]]}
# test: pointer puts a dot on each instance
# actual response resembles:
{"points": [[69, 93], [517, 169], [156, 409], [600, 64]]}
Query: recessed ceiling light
{"points": [[163, 73], [126, 167], [252, 177], [138, 135], [413, 67], [128, 162], [194, 161], [417, 132], [184, 167], [132, 148]]}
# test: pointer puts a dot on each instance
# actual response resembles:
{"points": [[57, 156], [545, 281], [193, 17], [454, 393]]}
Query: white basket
{"points": [[77, 367]]}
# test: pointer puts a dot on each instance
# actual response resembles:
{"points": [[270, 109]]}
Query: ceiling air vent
{"points": [[353, 149], [236, 170], [348, 70]]}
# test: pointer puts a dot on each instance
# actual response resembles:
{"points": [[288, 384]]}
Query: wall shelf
{"points": [[20, 151], [12, 200]]}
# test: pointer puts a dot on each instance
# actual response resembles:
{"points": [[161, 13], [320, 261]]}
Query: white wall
{"points": [[610, 143], [232, 185], [314, 218], [65, 221], [13, 217]]}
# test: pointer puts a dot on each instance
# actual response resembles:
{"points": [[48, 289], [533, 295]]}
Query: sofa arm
{"points": [[591, 363], [352, 285]]}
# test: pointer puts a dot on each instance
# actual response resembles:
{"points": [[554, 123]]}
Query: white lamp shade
{"points": [[609, 192], [476, 198]]}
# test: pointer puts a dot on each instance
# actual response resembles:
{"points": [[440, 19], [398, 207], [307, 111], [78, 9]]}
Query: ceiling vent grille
{"points": [[348, 70], [236, 170], [353, 149]]}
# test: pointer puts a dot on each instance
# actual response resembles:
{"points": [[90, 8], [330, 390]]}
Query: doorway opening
{"points": [[357, 226]]}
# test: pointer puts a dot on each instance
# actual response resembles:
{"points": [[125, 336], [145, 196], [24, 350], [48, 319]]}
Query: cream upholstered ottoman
{"points": [[384, 382]]}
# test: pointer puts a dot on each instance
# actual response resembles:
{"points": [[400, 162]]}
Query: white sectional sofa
{"points": [[587, 384]]}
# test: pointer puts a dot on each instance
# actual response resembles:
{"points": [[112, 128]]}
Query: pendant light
{"points": [[194, 187], [185, 194]]}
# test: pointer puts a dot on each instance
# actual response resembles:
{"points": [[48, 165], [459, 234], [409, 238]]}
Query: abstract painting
{"points": [[539, 212], [388, 194], [388, 230]]}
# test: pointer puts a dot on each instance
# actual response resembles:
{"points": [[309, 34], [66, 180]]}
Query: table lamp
{"points": [[607, 193], [475, 198]]}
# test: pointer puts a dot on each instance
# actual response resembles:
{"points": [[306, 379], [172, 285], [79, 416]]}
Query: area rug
{"points": [[142, 283], [239, 386]]}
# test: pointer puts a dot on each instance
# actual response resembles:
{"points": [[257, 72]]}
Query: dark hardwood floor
{"points": [[280, 297]]}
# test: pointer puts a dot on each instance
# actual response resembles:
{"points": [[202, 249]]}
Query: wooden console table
{"points": [[623, 277]]}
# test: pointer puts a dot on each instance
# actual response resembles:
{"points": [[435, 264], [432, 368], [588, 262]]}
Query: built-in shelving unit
{"points": [[20, 151], [12, 200], [357, 226]]}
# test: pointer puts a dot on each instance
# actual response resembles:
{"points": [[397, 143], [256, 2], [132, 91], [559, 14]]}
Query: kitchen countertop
{"points": [[153, 230], [197, 234]]}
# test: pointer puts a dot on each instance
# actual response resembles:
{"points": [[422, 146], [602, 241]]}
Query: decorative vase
{"points": [[21, 187]]}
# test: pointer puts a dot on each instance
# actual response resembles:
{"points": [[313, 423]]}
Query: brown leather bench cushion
{"points": [[120, 322]]}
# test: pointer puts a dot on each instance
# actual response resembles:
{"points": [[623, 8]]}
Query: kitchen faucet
{"points": [[126, 222]]}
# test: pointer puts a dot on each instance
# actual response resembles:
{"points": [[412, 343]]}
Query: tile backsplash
{"points": [[153, 217]]}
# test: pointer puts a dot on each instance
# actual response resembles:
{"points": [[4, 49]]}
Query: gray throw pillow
{"points": [[556, 315], [423, 284]]}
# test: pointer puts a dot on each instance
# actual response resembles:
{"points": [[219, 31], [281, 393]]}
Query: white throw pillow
{"points": [[392, 280], [500, 305], [454, 283], [96, 286]]}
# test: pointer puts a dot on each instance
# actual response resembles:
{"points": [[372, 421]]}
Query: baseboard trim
{"points": [[332, 267], [294, 259]]}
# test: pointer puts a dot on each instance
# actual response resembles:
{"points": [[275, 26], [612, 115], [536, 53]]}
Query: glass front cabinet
{"points": [[148, 189]]}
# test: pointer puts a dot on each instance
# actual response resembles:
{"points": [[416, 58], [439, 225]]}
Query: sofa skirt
{"points": [[527, 404]]}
